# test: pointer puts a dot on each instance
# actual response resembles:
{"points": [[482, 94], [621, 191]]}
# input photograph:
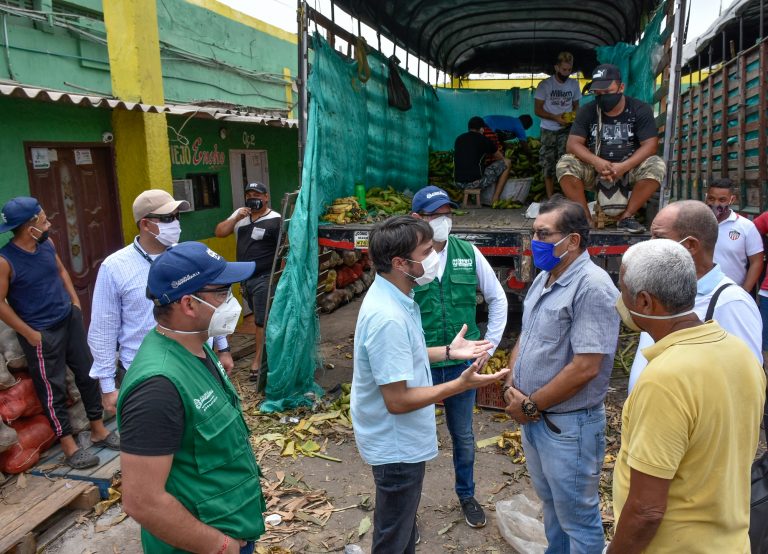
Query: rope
{"points": [[361, 57]]}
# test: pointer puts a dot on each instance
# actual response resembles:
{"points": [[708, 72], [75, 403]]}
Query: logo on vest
{"points": [[463, 263], [205, 401]]}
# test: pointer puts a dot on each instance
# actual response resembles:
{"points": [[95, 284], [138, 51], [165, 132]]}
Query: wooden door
{"points": [[75, 185]]}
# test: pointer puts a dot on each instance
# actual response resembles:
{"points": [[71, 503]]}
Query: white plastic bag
{"points": [[533, 210], [519, 521]]}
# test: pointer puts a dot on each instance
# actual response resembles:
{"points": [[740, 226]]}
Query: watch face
{"points": [[529, 408]]}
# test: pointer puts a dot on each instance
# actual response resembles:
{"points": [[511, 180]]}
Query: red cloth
{"points": [[761, 222]]}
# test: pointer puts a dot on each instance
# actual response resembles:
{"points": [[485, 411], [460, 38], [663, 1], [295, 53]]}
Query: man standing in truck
{"points": [[739, 250], [447, 303], [470, 149], [555, 96], [613, 141]]}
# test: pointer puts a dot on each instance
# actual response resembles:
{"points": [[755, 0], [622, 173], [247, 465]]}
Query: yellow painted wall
{"points": [[231, 13]]}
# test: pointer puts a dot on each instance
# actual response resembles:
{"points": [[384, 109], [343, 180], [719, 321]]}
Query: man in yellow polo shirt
{"points": [[691, 424]]}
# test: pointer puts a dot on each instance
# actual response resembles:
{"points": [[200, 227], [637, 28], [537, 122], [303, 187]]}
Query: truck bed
{"points": [[493, 232]]}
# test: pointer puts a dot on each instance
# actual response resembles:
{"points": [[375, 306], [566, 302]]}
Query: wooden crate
{"points": [[491, 396], [27, 509]]}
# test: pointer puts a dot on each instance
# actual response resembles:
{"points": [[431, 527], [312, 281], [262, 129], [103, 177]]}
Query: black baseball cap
{"points": [[603, 76], [257, 187]]}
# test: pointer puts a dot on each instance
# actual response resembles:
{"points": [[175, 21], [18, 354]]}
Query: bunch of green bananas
{"points": [[387, 201], [441, 167]]}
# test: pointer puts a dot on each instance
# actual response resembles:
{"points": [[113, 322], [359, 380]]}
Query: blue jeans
{"points": [[565, 471], [458, 416], [398, 492], [248, 548]]}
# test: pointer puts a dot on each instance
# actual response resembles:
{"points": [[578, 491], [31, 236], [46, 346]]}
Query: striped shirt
{"points": [[576, 315], [121, 313]]}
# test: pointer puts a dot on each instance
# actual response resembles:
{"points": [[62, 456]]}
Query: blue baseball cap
{"points": [[188, 267], [18, 211], [430, 198]]}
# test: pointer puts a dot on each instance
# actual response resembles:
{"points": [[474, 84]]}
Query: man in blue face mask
{"points": [[561, 367], [612, 147]]}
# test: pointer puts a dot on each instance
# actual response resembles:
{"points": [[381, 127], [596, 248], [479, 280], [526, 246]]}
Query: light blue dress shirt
{"points": [[390, 347]]}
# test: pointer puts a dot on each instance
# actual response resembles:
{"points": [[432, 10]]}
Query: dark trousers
{"points": [[398, 492], [63, 345]]}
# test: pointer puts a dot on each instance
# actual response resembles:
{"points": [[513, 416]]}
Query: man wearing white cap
{"points": [[121, 314]]}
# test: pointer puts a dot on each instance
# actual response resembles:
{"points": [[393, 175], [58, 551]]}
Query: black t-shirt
{"points": [[152, 417], [469, 150], [257, 240], [621, 135]]}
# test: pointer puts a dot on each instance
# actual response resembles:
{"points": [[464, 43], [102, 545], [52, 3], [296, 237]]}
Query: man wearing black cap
{"points": [[257, 228], [44, 310], [470, 149], [612, 144], [192, 483]]}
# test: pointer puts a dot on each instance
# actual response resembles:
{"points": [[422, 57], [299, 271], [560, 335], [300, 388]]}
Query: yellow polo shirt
{"points": [[694, 418]]}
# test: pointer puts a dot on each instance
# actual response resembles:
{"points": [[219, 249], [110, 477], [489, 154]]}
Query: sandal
{"points": [[112, 441], [254, 376], [81, 459]]}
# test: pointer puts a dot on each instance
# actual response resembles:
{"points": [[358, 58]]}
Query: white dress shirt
{"points": [[492, 291], [121, 313]]}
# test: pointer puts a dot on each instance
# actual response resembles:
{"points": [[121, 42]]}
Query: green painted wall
{"points": [[205, 56], [25, 121], [282, 152]]}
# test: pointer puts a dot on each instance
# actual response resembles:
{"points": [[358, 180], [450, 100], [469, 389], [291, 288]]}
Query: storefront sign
{"points": [[183, 154]]}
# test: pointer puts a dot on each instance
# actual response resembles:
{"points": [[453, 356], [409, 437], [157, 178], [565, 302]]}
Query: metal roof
{"points": [[96, 101], [503, 36]]}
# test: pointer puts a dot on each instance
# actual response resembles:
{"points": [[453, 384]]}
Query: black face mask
{"points": [[607, 102], [254, 204], [562, 78], [43, 236]]}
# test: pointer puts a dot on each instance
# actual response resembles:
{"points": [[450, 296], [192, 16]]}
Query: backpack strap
{"points": [[713, 301]]}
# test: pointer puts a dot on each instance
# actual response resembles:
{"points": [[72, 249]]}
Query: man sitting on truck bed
{"points": [[470, 149], [623, 149]]}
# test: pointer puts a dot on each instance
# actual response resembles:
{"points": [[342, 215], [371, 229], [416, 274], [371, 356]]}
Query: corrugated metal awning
{"points": [[96, 101]]}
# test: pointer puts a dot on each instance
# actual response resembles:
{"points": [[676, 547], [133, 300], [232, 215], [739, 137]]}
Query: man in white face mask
{"points": [[447, 302], [392, 390], [690, 428], [178, 479], [121, 314]]}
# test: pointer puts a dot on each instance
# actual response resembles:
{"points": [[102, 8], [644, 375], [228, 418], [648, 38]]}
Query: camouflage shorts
{"points": [[652, 168], [552, 147], [490, 177]]}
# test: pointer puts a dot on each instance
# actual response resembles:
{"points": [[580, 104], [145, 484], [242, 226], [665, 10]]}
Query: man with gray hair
{"points": [[670, 493], [692, 224]]}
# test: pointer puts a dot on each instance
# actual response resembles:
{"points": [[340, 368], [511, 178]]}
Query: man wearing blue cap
{"points": [[44, 310], [447, 303], [193, 482]]}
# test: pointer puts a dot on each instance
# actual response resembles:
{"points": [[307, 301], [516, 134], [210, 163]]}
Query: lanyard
{"points": [[143, 254]]}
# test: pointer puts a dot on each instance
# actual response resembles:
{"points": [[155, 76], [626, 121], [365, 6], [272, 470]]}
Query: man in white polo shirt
{"points": [[739, 250]]}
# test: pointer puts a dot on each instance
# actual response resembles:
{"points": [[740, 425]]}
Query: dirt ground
{"points": [[305, 486]]}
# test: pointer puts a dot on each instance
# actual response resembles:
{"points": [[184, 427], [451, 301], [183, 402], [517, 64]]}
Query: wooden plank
{"points": [[25, 509]]}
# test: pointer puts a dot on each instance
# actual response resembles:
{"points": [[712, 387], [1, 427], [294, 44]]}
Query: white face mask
{"points": [[225, 317], [441, 228], [430, 265], [169, 232]]}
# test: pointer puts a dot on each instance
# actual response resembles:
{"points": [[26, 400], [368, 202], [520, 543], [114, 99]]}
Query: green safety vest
{"points": [[214, 474], [449, 303]]}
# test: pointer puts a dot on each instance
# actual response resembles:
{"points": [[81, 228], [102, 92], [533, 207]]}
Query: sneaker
{"points": [[418, 535], [631, 225], [473, 512]]}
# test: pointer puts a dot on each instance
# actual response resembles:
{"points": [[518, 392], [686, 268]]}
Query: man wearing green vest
{"points": [[446, 304], [190, 478]]}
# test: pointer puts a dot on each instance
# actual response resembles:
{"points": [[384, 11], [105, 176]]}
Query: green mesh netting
{"points": [[353, 135], [457, 106], [637, 62]]}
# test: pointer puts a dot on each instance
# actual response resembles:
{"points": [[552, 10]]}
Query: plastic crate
{"points": [[491, 396]]}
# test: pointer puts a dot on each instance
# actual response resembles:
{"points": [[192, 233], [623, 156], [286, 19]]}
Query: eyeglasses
{"points": [[168, 218], [222, 294], [543, 234]]}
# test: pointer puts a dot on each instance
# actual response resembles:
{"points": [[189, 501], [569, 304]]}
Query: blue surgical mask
{"points": [[544, 254]]}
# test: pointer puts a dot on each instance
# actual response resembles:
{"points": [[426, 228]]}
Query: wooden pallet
{"points": [[52, 464], [25, 511]]}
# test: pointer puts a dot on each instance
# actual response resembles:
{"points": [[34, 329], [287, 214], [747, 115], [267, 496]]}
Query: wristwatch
{"points": [[529, 407]]}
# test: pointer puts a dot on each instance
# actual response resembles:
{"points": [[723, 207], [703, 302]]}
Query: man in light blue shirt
{"points": [[393, 416], [692, 224], [121, 314]]}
